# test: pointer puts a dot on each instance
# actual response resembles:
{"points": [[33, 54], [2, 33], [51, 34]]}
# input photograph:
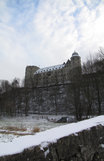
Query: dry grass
{"points": [[36, 129], [15, 133], [18, 131], [13, 128]]}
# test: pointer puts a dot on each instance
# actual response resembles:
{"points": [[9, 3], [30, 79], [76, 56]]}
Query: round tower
{"points": [[29, 75], [75, 67], [75, 60]]}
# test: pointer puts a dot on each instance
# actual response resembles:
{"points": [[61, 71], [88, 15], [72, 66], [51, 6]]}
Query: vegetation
{"points": [[18, 131], [13, 128], [36, 129]]}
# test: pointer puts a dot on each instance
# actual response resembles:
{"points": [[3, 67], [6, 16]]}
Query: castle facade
{"points": [[58, 74]]}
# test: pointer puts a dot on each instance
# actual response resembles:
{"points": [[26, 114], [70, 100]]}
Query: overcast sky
{"points": [[46, 32]]}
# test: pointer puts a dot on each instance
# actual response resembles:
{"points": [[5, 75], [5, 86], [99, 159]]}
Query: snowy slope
{"points": [[43, 138]]}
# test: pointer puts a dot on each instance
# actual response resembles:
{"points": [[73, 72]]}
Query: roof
{"points": [[75, 54], [51, 68]]}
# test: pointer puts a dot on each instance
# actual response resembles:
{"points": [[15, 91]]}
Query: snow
{"points": [[46, 152], [43, 122], [102, 145], [45, 137], [51, 68]]}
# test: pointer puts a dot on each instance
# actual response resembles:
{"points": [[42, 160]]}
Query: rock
{"points": [[85, 146], [63, 120]]}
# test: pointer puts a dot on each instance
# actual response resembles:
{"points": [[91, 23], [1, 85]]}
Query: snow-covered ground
{"points": [[45, 137], [43, 122]]}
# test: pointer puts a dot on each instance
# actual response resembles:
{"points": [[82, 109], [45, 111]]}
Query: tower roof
{"points": [[75, 54]]}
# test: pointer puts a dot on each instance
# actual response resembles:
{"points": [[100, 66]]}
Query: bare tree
{"points": [[94, 86], [101, 53], [5, 86], [15, 83]]}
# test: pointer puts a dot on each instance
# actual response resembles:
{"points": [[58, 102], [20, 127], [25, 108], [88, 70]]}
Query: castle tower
{"points": [[75, 66], [29, 75], [75, 60]]}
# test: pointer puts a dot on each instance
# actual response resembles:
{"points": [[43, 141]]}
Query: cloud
{"points": [[71, 25], [12, 52], [91, 30], [44, 33], [13, 41]]}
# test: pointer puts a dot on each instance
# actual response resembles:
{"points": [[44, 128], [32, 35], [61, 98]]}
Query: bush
{"points": [[36, 129]]}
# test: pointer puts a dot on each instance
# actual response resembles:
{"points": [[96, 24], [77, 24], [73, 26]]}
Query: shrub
{"points": [[36, 129]]}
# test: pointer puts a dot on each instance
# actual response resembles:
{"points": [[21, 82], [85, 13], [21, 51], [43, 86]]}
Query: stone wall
{"points": [[87, 145], [82, 98], [45, 100]]}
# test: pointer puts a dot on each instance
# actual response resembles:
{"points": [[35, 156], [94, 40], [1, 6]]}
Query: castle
{"points": [[58, 74], [60, 89]]}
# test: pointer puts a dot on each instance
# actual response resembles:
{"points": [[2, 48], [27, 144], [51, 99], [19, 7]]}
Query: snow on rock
{"points": [[48, 136], [102, 145], [46, 152]]}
